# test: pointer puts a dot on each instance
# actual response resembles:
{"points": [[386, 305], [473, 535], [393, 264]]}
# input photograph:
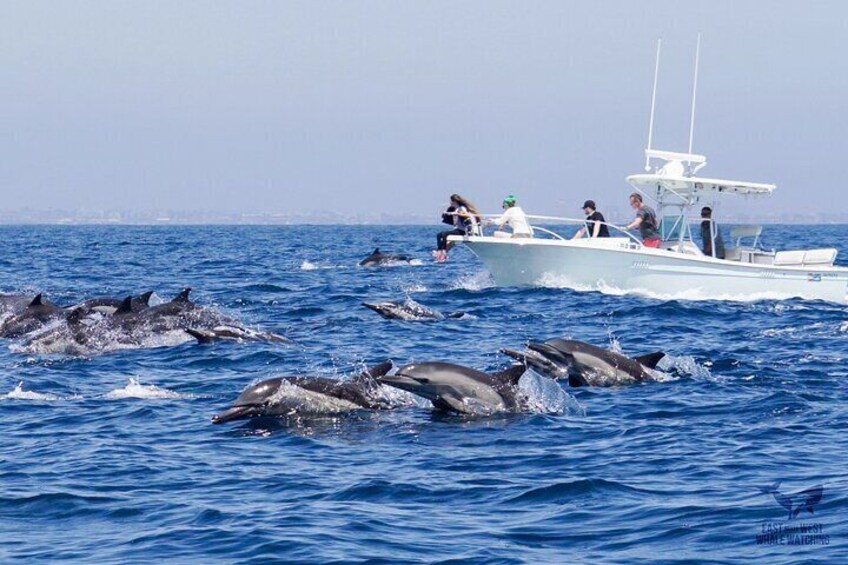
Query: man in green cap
{"points": [[515, 218]]}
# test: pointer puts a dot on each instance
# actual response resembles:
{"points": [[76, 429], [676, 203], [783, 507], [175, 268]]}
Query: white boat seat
{"points": [[732, 253], [738, 233], [687, 248], [805, 257]]}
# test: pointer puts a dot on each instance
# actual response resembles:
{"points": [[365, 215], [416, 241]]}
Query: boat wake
{"points": [[692, 294]]}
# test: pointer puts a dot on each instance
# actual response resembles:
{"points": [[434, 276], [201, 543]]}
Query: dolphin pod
{"points": [[448, 386], [104, 324]]}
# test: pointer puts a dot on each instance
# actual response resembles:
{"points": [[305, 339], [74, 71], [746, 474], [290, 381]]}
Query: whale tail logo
{"points": [[806, 499]]}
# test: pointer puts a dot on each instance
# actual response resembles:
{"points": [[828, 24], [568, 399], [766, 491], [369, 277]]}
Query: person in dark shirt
{"points": [[710, 232], [595, 224], [646, 222]]}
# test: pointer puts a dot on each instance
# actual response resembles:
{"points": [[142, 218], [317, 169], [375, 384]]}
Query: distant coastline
{"points": [[195, 217]]}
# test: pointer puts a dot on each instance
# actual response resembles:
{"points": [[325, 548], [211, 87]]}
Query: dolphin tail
{"points": [[651, 359]]}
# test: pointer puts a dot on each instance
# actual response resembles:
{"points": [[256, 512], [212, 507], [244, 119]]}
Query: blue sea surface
{"points": [[113, 459]]}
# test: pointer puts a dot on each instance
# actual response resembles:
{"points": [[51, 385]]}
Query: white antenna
{"points": [[653, 104], [694, 92]]}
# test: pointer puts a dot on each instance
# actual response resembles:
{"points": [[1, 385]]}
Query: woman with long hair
{"points": [[463, 216]]}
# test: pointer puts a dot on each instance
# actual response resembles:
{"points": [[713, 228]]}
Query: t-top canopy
{"points": [[696, 186]]}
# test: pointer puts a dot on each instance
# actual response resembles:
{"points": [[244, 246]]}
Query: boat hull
{"points": [[624, 268]]}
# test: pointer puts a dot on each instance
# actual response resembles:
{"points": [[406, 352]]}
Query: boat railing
{"points": [[534, 220]]}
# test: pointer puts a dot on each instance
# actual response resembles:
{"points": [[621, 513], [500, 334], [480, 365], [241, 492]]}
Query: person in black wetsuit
{"points": [[595, 224]]}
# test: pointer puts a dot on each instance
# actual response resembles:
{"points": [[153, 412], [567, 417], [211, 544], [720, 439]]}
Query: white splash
{"points": [[136, 390], [309, 266], [547, 396], [414, 288], [474, 281], [683, 364], [18, 393]]}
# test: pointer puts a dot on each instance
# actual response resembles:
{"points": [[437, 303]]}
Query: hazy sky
{"points": [[391, 106]]}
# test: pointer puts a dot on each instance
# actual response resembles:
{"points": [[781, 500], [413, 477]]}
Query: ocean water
{"points": [[112, 458]]}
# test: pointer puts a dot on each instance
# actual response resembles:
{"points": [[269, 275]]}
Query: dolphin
{"points": [[236, 333], [379, 258], [409, 310], [283, 396], [38, 313], [13, 304], [454, 388], [586, 365]]}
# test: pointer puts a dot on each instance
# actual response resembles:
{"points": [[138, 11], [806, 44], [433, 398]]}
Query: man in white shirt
{"points": [[515, 218]]}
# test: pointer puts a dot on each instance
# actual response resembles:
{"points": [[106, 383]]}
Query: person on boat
{"points": [[645, 222], [595, 224], [515, 218], [463, 216], [710, 233]]}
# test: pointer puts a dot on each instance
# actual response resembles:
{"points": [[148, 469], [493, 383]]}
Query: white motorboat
{"points": [[679, 268]]}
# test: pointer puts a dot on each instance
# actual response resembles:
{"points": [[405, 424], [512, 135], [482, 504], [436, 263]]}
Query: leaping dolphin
{"points": [[379, 258], [283, 396], [454, 388], [408, 310], [584, 364]]}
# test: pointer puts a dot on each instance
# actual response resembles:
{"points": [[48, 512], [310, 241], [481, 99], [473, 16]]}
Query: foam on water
{"points": [[18, 393], [135, 389]]}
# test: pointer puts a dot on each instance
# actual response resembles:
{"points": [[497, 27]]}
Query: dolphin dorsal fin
{"points": [[37, 300], [125, 307], [183, 296], [511, 374], [145, 297], [651, 359], [377, 371], [376, 251]]}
